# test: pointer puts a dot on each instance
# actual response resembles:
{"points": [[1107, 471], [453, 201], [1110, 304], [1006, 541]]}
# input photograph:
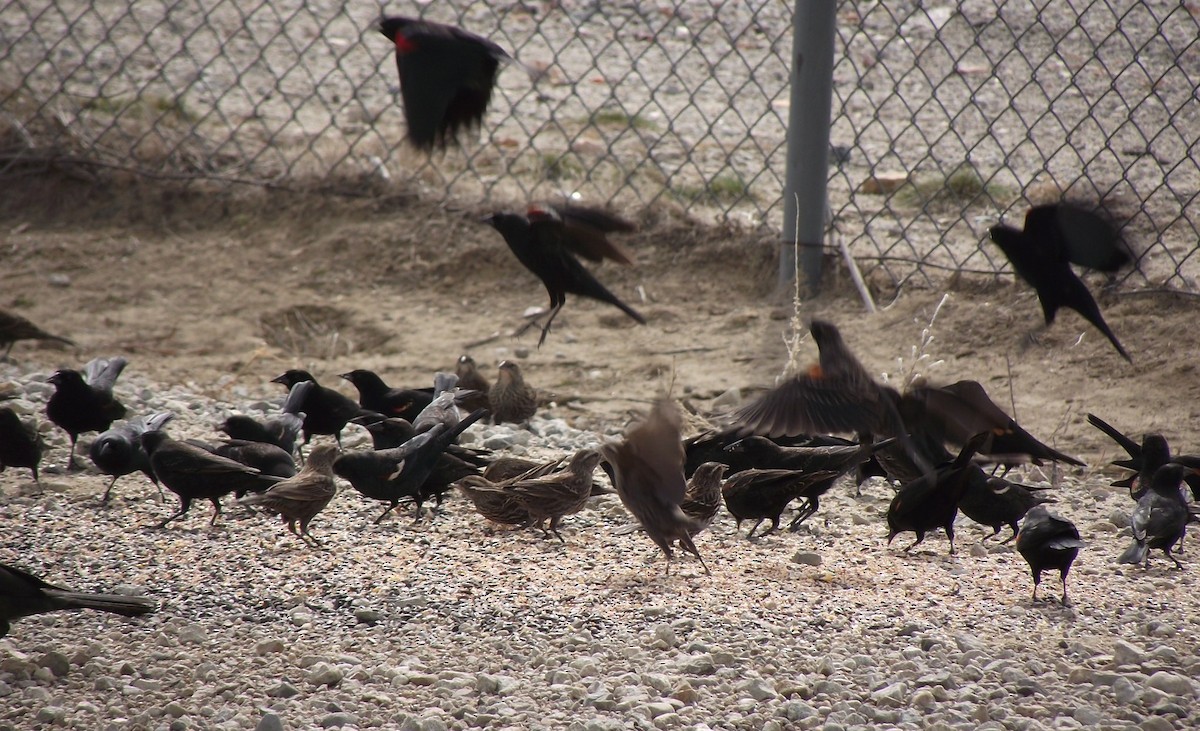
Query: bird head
{"points": [[392, 26], [66, 376], [293, 376], [1006, 237], [710, 471], [508, 372]]}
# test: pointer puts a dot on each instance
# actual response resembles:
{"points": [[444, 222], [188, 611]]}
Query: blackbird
{"points": [[585, 232], [836, 395], [762, 453], [21, 444], [470, 379], [22, 594], [539, 241], [552, 496], [512, 400], [763, 494], [326, 411], [1047, 541], [386, 432], [1160, 519], [702, 500], [118, 451], [84, 402], [931, 501], [298, 499], [375, 395], [1145, 459], [194, 473], [446, 78], [13, 327], [268, 459], [648, 477], [1042, 254], [443, 409], [281, 430], [996, 502], [709, 446]]}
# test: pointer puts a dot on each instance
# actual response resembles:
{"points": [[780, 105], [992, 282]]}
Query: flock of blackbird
{"points": [[765, 456]]}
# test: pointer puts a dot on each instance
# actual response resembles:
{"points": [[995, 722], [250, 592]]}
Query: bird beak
{"points": [[488, 219], [278, 379], [345, 375]]}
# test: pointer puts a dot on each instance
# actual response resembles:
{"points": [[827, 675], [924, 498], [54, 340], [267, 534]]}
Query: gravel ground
{"points": [[452, 624]]}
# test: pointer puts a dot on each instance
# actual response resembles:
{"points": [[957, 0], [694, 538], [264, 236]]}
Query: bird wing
{"points": [[808, 403], [446, 79], [297, 396], [1083, 237], [304, 487], [187, 457], [101, 373], [585, 230]]}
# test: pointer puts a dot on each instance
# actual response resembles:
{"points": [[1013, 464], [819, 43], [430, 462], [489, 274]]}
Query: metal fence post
{"points": [[804, 194]]}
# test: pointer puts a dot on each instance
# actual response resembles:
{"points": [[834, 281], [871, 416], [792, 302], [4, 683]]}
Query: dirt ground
{"points": [[192, 285]]}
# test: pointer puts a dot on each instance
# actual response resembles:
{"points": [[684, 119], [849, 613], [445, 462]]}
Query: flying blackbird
{"points": [[470, 379], [836, 395], [538, 240], [13, 327], [446, 78], [996, 502], [375, 395], [648, 477], [762, 453], [325, 410], [1047, 541], [763, 494], [22, 594], [1160, 519], [512, 400], [1042, 255], [492, 502], [194, 473], [702, 500], [1145, 459], [118, 451], [931, 501], [558, 494], [585, 232], [959, 411], [84, 402], [392, 475], [20, 443], [281, 430], [298, 499]]}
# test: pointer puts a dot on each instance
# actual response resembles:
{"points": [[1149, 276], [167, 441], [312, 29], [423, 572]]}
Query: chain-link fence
{"points": [[947, 116]]}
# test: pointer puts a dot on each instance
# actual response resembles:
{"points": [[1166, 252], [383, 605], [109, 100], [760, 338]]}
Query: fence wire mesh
{"points": [[947, 116]]}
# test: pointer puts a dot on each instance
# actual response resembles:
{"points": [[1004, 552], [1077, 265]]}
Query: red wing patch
{"points": [[404, 44], [815, 372]]}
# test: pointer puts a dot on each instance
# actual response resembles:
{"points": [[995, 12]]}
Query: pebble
{"points": [[339, 719], [1172, 683], [806, 558], [323, 673], [269, 722]]}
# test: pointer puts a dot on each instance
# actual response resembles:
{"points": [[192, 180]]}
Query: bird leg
{"points": [[754, 528], [920, 537], [104, 500], [1177, 564], [216, 510], [554, 529], [162, 498], [950, 535], [1065, 601], [184, 507], [1035, 588], [386, 510], [546, 327], [72, 465], [1015, 530]]}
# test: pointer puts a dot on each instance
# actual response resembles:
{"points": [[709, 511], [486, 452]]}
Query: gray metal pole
{"points": [[804, 194]]}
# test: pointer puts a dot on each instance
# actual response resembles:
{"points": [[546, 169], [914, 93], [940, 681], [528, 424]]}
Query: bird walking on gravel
{"points": [[194, 473], [513, 400], [764, 494], [13, 327], [84, 402], [326, 411], [281, 430], [931, 501], [22, 595], [447, 76], [492, 502], [702, 499], [1055, 237], [470, 379], [1160, 519], [996, 502], [21, 444], [375, 395], [443, 409], [118, 451], [1047, 541], [553, 496], [648, 476], [1145, 459], [300, 498], [836, 395], [540, 241]]}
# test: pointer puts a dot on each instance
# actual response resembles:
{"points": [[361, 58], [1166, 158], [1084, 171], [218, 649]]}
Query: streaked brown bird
{"points": [[702, 501], [931, 501], [836, 395], [648, 476], [513, 401], [22, 594], [446, 78], [492, 501], [553, 496], [470, 379], [764, 494], [1047, 541], [13, 327], [539, 240], [300, 498]]}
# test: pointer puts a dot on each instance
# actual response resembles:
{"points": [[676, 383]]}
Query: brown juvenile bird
{"points": [[298, 499], [21, 444], [492, 502], [763, 494], [648, 476], [13, 327], [470, 379], [446, 78], [702, 501], [553, 496], [22, 594], [512, 400], [1047, 541], [837, 395]]}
